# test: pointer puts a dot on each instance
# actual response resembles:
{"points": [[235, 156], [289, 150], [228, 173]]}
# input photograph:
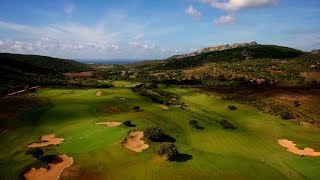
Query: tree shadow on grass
{"points": [[167, 138], [51, 159], [200, 128], [183, 157]]}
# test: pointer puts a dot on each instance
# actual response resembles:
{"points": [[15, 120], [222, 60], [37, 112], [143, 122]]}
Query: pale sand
{"points": [[53, 173], [134, 142], [98, 93], [291, 147], [164, 107], [110, 124], [47, 140]]}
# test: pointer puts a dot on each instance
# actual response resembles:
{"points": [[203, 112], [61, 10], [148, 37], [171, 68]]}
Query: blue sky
{"points": [[151, 29]]}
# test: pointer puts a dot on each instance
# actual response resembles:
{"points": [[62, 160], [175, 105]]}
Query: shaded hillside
{"points": [[35, 63], [231, 55], [18, 71]]}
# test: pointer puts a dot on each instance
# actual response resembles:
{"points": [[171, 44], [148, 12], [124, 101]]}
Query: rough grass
{"points": [[249, 152]]}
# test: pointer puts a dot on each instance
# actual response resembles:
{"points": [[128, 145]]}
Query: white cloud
{"points": [[193, 12], [234, 5], [145, 46], [225, 20]]}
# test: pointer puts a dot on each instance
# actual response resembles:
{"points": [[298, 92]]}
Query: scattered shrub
{"points": [[128, 124], [286, 115], [136, 108], [232, 107], [193, 123], [226, 124], [154, 134], [296, 103], [35, 152], [169, 150]]}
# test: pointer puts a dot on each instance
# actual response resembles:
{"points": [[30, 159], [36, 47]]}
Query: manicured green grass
{"points": [[248, 152]]}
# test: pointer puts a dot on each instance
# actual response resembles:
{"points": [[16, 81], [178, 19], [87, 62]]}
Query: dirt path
{"points": [[21, 91], [47, 140], [110, 124], [164, 107], [134, 142], [52, 173], [291, 147]]}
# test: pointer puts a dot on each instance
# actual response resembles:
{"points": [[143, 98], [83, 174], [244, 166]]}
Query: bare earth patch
{"points": [[110, 124], [291, 147], [98, 93], [47, 140], [164, 107], [52, 173], [134, 142], [122, 98]]}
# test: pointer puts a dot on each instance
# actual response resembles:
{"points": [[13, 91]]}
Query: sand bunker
{"points": [[134, 142], [291, 147], [52, 173], [98, 93], [47, 140], [110, 124], [122, 98], [164, 107]]}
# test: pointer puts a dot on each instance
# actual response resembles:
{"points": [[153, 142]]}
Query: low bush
{"points": [[296, 103], [193, 123], [226, 124], [286, 115], [232, 107], [169, 150], [136, 108], [155, 134], [128, 124]]}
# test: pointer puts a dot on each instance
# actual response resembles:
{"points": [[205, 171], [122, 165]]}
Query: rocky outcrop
{"points": [[215, 48]]}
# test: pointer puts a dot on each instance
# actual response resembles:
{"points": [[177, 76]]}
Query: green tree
{"points": [[169, 150]]}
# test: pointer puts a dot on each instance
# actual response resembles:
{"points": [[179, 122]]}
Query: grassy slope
{"points": [[251, 151]]}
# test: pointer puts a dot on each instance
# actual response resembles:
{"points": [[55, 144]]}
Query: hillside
{"points": [[35, 62], [231, 55], [17, 71]]}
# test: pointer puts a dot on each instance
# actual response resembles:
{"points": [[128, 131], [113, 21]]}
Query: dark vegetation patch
{"points": [[232, 107], [35, 152], [195, 124], [128, 123], [136, 108], [226, 124], [170, 151], [157, 95], [155, 134], [51, 159]]}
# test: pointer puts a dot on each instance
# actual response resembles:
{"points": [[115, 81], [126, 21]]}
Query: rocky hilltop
{"points": [[215, 48]]}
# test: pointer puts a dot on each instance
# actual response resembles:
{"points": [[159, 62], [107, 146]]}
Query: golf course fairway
{"points": [[250, 151]]}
